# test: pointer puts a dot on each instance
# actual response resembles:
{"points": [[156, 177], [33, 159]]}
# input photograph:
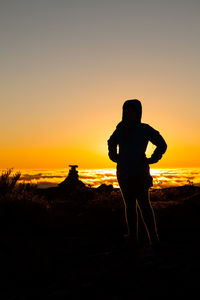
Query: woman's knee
{"points": [[130, 204], [144, 202]]}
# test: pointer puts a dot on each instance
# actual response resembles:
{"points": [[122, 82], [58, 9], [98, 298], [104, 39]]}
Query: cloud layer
{"points": [[95, 177]]}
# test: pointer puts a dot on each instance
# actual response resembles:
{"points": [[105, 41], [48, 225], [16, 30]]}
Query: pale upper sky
{"points": [[68, 66]]}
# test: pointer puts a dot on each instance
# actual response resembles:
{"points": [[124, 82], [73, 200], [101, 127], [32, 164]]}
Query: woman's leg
{"points": [[148, 216], [129, 198]]}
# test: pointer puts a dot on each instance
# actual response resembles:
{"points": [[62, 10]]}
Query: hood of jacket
{"points": [[137, 105]]}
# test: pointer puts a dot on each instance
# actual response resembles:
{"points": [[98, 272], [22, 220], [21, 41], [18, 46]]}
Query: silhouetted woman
{"points": [[133, 172]]}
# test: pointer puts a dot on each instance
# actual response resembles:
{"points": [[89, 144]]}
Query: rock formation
{"points": [[72, 182]]}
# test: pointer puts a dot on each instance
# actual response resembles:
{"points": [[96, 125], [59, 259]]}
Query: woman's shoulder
{"points": [[119, 125], [147, 127], [141, 126]]}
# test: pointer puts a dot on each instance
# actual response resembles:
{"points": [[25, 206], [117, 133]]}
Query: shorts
{"points": [[138, 182]]}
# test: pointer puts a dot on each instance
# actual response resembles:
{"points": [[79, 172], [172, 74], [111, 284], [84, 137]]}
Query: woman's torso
{"points": [[131, 157]]}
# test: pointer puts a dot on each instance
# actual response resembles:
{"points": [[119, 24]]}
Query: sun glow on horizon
{"points": [[68, 66], [94, 177]]}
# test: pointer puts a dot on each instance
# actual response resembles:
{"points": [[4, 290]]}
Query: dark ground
{"points": [[76, 249]]}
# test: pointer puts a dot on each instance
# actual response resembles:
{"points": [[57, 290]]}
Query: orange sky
{"points": [[67, 69]]}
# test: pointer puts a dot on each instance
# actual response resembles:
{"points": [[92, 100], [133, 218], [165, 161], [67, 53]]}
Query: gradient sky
{"points": [[68, 66]]}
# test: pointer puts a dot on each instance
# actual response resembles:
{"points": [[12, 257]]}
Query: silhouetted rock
{"points": [[72, 181], [105, 188]]}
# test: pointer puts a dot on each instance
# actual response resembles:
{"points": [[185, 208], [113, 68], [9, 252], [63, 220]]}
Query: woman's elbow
{"points": [[164, 147]]}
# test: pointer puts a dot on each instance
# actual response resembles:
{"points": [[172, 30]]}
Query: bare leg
{"points": [[141, 228], [148, 215], [129, 198], [131, 215]]}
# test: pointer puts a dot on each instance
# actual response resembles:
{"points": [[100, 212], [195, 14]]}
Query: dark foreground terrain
{"points": [[71, 246]]}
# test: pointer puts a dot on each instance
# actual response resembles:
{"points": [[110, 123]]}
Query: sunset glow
{"points": [[68, 66], [162, 178]]}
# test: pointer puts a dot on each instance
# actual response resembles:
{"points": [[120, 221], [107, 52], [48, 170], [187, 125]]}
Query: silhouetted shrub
{"points": [[20, 207]]}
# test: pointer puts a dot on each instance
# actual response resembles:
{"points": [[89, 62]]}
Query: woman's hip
{"points": [[128, 180]]}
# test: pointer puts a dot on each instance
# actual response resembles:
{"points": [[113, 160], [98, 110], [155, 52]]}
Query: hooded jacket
{"points": [[131, 159]]}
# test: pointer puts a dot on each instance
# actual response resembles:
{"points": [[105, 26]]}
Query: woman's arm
{"points": [[112, 146], [155, 138]]}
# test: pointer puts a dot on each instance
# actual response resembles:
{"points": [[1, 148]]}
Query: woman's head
{"points": [[132, 111], [131, 116]]}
